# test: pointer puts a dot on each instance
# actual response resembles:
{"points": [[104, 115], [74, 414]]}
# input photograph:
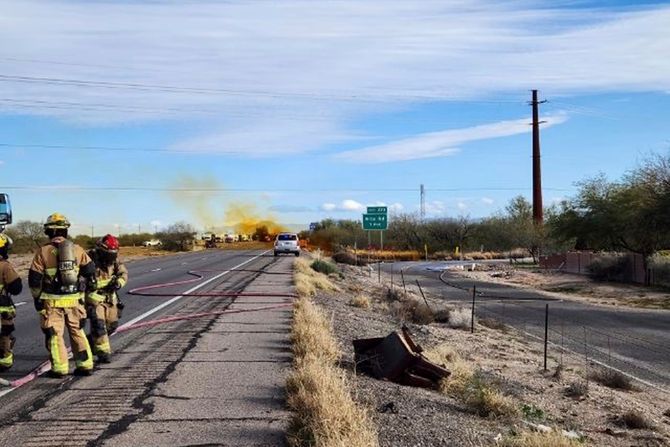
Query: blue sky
{"points": [[304, 110]]}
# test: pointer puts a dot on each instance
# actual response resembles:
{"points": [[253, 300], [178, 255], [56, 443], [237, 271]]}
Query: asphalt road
{"points": [[635, 341], [30, 352]]}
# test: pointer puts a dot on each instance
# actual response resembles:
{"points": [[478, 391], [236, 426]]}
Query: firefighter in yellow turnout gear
{"points": [[103, 305], [10, 284], [59, 276]]}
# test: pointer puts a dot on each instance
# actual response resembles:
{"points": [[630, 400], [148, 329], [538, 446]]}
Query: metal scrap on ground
{"points": [[397, 358]]}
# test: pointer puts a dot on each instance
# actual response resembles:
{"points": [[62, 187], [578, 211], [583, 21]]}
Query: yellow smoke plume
{"points": [[245, 218], [214, 211]]}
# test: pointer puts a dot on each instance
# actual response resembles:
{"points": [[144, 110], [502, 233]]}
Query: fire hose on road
{"points": [[148, 291]]}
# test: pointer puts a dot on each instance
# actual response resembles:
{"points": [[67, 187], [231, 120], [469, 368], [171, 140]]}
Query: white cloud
{"points": [[396, 207], [488, 200], [351, 205], [347, 205], [436, 208], [303, 72], [462, 206], [440, 144]]}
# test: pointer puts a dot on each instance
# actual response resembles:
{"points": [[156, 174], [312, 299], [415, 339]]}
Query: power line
{"points": [[224, 190], [244, 93], [121, 149]]}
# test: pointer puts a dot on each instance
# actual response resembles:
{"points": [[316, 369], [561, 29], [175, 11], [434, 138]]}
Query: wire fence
{"points": [[567, 334]]}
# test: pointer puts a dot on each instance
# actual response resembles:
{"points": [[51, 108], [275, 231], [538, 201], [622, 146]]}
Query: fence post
{"points": [[379, 271], [472, 320], [424, 296], [546, 334], [402, 276]]}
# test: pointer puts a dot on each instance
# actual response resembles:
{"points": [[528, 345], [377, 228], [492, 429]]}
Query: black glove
{"points": [[114, 283], [91, 284], [119, 308], [38, 304]]}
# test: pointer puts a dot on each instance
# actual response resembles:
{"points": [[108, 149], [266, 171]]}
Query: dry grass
{"points": [[611, 379], [492, 323], [361, 301], [388, 255], [460, 318], [308, 281], [577, 389], [635, 420], [311, 333], [412, 309], [539, 439], [324, 413], [470, 386]]}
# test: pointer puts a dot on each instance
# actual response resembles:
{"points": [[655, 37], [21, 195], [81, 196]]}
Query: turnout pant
{"points": [[104, 317], [54, 321], [7, 314]]}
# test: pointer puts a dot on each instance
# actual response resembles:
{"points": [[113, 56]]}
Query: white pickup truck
{"points": [[152, 243]]}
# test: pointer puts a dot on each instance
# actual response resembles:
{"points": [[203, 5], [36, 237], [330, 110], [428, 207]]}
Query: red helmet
{"points": [[108, 243]]}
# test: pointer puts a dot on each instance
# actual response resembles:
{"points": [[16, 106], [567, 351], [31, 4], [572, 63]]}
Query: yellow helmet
{"points": [[5, 241], [56, 220]]}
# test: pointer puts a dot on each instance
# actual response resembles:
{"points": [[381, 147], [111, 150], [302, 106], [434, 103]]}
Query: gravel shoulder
{"points": [[407, 416]]}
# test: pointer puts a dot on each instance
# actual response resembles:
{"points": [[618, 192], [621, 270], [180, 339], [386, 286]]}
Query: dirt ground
{"points": [[407, 416], [574, 287]]}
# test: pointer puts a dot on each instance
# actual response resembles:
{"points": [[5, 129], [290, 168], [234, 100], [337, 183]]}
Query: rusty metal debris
{"points": [[397, 358]]}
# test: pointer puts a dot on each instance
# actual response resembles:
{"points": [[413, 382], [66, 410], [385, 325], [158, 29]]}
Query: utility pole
{"points": [[423, 202], [92, 231], [538, 216]]}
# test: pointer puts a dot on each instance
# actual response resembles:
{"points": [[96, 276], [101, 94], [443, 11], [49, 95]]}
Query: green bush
{"points": [[177, 237], [324, 267]]}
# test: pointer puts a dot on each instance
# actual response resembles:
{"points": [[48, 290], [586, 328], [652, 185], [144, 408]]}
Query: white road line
{"points": [[167, 303], [20, 303], [156, 270], [193, 289]]}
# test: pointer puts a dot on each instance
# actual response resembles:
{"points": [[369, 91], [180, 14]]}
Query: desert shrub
{"points": [[609, 268], [308, 281], [633, 419], [361, 301], [347, 257], [411, 309], [460, 318], [492, 323], [324, 267], [577, 389], [469, 386], [611, 379], [539, 439], [177, 237], [394, 294]]}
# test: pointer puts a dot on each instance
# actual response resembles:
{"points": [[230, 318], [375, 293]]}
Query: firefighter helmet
{"points": [[5, 245], [108, 243], [56, 221]]}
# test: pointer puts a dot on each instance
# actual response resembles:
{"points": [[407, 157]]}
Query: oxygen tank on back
{"points": [[67, 263]]}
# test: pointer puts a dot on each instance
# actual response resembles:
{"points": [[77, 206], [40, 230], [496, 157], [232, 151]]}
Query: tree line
{"points": [[631, 214]]}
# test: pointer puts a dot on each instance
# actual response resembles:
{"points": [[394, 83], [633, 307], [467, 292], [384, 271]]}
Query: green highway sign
{"points": [[375, 221], [377, 210]]}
